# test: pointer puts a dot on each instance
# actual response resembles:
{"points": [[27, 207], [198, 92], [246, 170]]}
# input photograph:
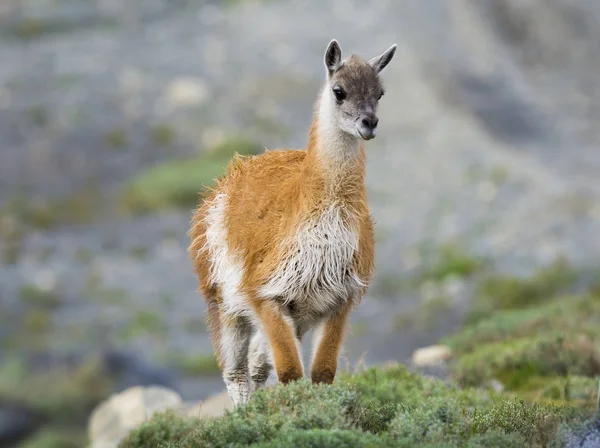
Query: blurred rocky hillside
{"points": [[113, 114]]}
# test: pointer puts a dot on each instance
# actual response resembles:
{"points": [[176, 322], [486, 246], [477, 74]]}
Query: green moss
{"points": [[375, 408], [177, 183], [199, 364]]}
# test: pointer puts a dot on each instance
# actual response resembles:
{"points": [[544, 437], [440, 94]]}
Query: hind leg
{"points": [[234, 343], [260, 363]]}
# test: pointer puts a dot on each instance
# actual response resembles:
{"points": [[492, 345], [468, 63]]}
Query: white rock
{"points": [[496, 385], [186, 92], [114, 418], [433, 355]]}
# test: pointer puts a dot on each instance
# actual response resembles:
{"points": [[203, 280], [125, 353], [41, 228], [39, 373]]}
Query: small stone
{"points": [[114, 418], [496, 385], [433, 355], [186, 92]]}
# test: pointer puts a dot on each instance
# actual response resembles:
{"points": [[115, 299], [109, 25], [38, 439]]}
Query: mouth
{"points": [[366, 135]]}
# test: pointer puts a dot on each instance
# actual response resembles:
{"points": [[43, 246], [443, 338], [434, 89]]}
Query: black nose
{"points": [[370, 122]]}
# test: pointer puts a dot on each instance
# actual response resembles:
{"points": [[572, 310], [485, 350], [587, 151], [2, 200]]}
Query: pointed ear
{"points": [[333, 57], [381, 61]]}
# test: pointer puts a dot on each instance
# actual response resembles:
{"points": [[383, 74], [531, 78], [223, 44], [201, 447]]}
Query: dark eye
{"points": [[380, 95], [340, 95]]}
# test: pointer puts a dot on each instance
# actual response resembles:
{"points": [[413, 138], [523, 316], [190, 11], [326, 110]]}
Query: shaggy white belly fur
{"points": [[317, 271]]}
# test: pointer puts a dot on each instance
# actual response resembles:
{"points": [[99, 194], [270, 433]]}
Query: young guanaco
{"points": [[284, 242]]}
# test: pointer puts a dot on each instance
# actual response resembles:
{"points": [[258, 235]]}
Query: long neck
{"points": [[335, 159]]}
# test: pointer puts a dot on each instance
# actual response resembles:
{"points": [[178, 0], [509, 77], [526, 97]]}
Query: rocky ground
{"points": [[488, 144]]}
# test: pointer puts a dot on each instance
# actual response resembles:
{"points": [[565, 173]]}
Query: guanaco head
{"points": [[353, 90]]}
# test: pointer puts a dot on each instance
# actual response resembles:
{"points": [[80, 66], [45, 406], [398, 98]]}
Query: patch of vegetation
{"points": [[50, 437], [163, 135], [450, 260], [83, 255], [109, 296], [37, 321], [375, 408], [139, 252], [62, 395], [39, 115], [499, 175], [39, 297], [177, 183], [32, 28], [199, 364], [144, 322], [439, 264], [539, 341], [117, 138], [507, 292], [78, 208]]}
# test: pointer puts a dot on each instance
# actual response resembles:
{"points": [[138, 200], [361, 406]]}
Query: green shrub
{"points": [[497, 439], [513, 361], [375, 408], [321, 438], [564, 314], [163, 427], [506, 292]]}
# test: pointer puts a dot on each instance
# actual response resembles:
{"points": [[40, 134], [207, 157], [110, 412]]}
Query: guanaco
{"points": [[284, 241]]}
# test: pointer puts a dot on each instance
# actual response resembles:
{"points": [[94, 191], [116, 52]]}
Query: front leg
{"points": [[328, 342], [279, 329]]}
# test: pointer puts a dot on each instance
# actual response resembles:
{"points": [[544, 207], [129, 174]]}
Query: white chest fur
{"points": [[318, 267]]}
